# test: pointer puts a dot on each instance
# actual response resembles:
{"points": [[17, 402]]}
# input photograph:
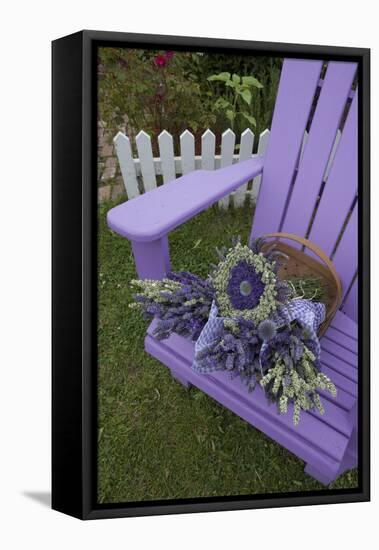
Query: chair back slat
{"points": [[350, 305], [297, 86], [315, 196], [345, 258], [326, 120], [340, 189]]}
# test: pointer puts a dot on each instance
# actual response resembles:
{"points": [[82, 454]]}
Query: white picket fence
{"points": [[140, 173]]}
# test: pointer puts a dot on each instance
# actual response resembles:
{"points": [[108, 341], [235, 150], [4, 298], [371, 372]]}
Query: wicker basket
{"points": [[300, 264]]}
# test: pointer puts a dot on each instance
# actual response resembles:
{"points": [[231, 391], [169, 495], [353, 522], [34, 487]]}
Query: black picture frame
{"points": [[74, 430]]}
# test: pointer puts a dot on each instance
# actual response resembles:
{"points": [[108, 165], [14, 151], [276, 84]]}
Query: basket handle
{"points": [[318, 252]]}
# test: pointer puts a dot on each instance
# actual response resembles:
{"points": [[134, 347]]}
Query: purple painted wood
{"points": [[350, 306], [347, 390], [340, 352], [152, 258], [343, 340], [345, 324], [298, 83], [321, 441], [331, 104], [341, 187], [346, 256], [151, 216], [334, 362]]}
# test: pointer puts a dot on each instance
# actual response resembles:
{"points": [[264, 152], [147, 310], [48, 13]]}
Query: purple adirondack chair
{"points": [[288, 201]]}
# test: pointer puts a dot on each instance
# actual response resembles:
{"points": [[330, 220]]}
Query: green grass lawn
{"points": [[156, 439]]}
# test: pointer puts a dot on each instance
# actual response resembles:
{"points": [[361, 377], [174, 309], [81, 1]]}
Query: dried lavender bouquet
{"points": [[246, 321], [181, 303]]}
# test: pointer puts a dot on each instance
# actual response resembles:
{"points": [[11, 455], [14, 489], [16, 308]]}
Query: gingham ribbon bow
{"points": [[308, 314]]}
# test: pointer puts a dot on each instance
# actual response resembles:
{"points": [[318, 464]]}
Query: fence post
{"points": [[208, 145], [166, 151], [228, 140], [246, 149], [262, 146], [187, 151], [145, 154], [125, 158]]}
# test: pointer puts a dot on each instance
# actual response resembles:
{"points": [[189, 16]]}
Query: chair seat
{"points": [[322, 441]]}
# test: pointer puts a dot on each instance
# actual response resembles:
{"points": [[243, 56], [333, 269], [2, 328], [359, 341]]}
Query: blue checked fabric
{"points": [[309, 315]]}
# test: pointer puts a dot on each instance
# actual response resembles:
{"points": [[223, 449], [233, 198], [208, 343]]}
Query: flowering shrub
{"points": [[142, 89], [157, 90]]}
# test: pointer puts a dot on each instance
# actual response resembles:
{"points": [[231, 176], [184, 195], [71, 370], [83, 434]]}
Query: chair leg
{"points": [[323, 477], [181, 380], [350, 459], [349, 462], [152, 259]]}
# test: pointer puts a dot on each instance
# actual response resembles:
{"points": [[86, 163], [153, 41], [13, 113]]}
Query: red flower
{"points": [[169, 55], [160, 60]]}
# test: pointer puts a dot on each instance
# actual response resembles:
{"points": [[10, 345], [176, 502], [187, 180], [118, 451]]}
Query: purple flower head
{"points": [[245, 286], [266, 330]]}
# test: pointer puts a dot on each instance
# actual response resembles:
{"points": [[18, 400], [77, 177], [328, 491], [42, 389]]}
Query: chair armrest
{"points": [[155, 213]]}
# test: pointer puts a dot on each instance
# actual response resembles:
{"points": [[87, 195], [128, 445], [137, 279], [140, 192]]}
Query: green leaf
{"points": [[251, 81], [230, 115], [246, 96], [250, 118], [221, 103], [224, 77], [236, 79]]}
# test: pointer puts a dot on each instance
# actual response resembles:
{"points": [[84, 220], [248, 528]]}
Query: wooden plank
{"points": [[338, 365], [246, 150], [228, 140], [125, 158], [297, 87], [187, 151], [262, 146], [332, 155], [343, 400], [331, 104], [340, 352], [345, 258], [208, 145], [343, 383], [342, 339], [345, 324], [334, 416], [166, 151], [145, 154], [341, 187], [350, 307]]}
